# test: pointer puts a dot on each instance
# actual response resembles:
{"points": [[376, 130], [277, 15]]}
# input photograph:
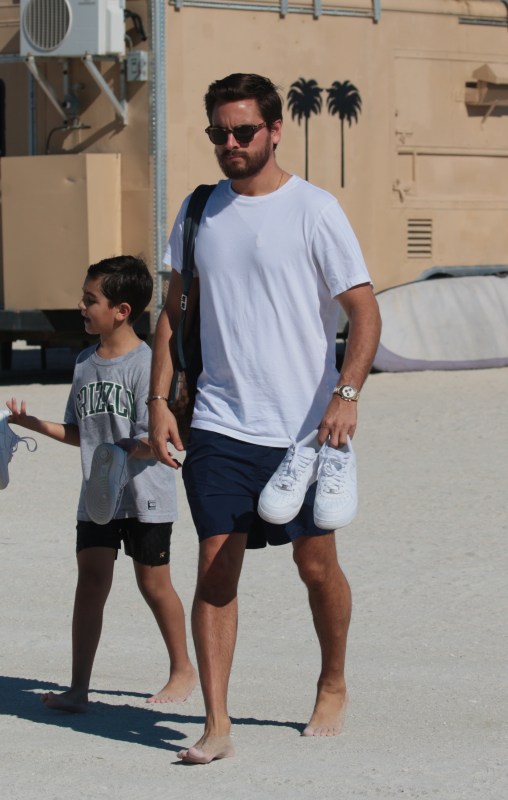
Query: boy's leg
{"points": [[330, 603], [157, 589], [95, 575]]}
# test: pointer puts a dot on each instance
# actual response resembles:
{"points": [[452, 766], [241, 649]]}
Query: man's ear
{"points": [[276, 131]]}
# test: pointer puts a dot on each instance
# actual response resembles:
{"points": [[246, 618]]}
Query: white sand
{"points": [[427, 559]]}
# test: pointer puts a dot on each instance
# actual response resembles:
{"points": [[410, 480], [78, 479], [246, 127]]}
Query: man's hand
{"points": [[339, 422], [340, 418], [162, 428]]}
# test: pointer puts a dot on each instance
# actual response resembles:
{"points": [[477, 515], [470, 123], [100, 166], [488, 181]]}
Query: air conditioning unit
{"points": [[72, 27]]}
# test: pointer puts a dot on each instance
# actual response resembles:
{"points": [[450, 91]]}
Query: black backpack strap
{"points": [[195, 208]]}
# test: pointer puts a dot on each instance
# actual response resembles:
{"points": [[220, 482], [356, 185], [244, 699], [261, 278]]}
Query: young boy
{"points": [[108, 404]]}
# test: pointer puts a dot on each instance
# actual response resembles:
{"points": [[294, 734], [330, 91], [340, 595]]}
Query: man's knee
{"points": [[219, 572], [311, 573], [215, 594], [314, 570], [217, 585]]}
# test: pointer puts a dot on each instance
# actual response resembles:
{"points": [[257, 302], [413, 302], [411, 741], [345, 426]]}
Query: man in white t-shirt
{"points": [[275, 256]]}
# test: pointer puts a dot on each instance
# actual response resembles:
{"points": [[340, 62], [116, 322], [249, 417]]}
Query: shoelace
{"points": [[25, 439], [295, 462], [332, 472]]}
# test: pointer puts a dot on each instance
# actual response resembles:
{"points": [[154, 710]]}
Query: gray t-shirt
{"points": [[107, 403]]}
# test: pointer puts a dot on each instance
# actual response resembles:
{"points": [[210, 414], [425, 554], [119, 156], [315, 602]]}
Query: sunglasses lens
{"points": [[217, 135], [243, 134]]}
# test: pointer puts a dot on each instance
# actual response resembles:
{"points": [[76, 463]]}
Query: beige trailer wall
{"points": [[425, 173], [103, 134], [421, 167]]}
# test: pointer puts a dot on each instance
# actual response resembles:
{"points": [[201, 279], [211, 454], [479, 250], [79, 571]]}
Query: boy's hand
{"points": [[67, 433], [18, 416]]}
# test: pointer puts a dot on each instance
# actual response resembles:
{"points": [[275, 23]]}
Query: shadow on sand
{"points": [[144, 725]]}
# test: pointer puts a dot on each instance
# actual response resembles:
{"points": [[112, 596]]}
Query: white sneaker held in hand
{"points": [[283, 496], [8, 445], [104, 488], [336, 500]]}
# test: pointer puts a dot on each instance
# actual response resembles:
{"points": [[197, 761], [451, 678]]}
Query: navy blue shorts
{"points": [[224, 477], [145, 542]]}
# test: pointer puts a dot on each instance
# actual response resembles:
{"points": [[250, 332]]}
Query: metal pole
{"points": [[45, 86], [158, 113], [120, 106], [32, 116]]}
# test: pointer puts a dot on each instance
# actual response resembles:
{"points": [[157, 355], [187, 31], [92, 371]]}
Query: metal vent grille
{"points": [[46, 23], [419, 238]]}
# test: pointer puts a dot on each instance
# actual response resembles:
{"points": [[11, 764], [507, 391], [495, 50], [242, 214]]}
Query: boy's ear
{"points": [[123, 310]]}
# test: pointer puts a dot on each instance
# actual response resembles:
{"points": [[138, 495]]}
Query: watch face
{"points": [[348, 392]]}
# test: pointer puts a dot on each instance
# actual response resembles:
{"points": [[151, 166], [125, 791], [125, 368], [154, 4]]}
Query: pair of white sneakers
{"points": [[305, 462], [8, 445]]}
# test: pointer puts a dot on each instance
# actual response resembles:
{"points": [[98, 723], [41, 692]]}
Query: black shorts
{"points": [[147, 543], [223, 479]]}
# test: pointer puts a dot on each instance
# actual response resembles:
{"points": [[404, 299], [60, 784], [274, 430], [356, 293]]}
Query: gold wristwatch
{"points": [[347, 392]]}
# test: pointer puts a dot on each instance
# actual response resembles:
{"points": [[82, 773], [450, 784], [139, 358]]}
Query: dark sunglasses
{"points": [[243, 134]]}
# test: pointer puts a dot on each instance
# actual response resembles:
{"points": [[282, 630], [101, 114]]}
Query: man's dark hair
{"points": [[242, 86], [125, 279]]}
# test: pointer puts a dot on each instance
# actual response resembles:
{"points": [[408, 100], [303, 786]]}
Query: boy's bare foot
{"points": [[328, 715], [177, 689], [207, 749], [71, 701]]}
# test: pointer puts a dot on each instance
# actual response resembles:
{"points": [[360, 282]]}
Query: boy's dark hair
{"points": [[243, 86], [125, 279]]}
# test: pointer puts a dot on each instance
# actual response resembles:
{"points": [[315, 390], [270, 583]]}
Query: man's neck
{"points": [[265, 182]]}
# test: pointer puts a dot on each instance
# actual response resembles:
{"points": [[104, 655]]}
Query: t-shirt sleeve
{"points": [[70, 416], [337, 251], [173, 253]]}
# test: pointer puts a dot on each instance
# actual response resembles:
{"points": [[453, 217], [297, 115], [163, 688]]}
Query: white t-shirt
{"points": [[269, 269]]}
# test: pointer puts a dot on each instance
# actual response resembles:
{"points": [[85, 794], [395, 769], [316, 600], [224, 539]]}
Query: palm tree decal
{"points": [[304, 99], [343, 99]]}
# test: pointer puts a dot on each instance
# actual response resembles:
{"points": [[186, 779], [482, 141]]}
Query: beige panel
{"points": [[103, 200], [417, 148], [137, 207], [9, 26], [49, 237]]}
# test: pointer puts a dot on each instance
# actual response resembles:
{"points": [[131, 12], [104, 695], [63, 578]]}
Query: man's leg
{"points": [[330, 603], [214, 625], [95, 575], [157, 589]]}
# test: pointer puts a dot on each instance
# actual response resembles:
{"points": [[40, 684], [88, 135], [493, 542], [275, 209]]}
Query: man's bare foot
{"points": [[208, 749], [71, 701], [177, 689], [328, 715]]}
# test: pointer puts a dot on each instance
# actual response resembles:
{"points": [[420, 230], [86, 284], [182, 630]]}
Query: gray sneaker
{"points": [[104, 488], [8, 445], [336, 500]]}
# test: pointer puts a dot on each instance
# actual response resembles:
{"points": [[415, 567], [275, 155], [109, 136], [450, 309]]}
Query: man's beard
{"points": [[251, 166]]}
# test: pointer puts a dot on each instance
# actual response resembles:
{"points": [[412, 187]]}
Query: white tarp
{"points": [[444, 323]]}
